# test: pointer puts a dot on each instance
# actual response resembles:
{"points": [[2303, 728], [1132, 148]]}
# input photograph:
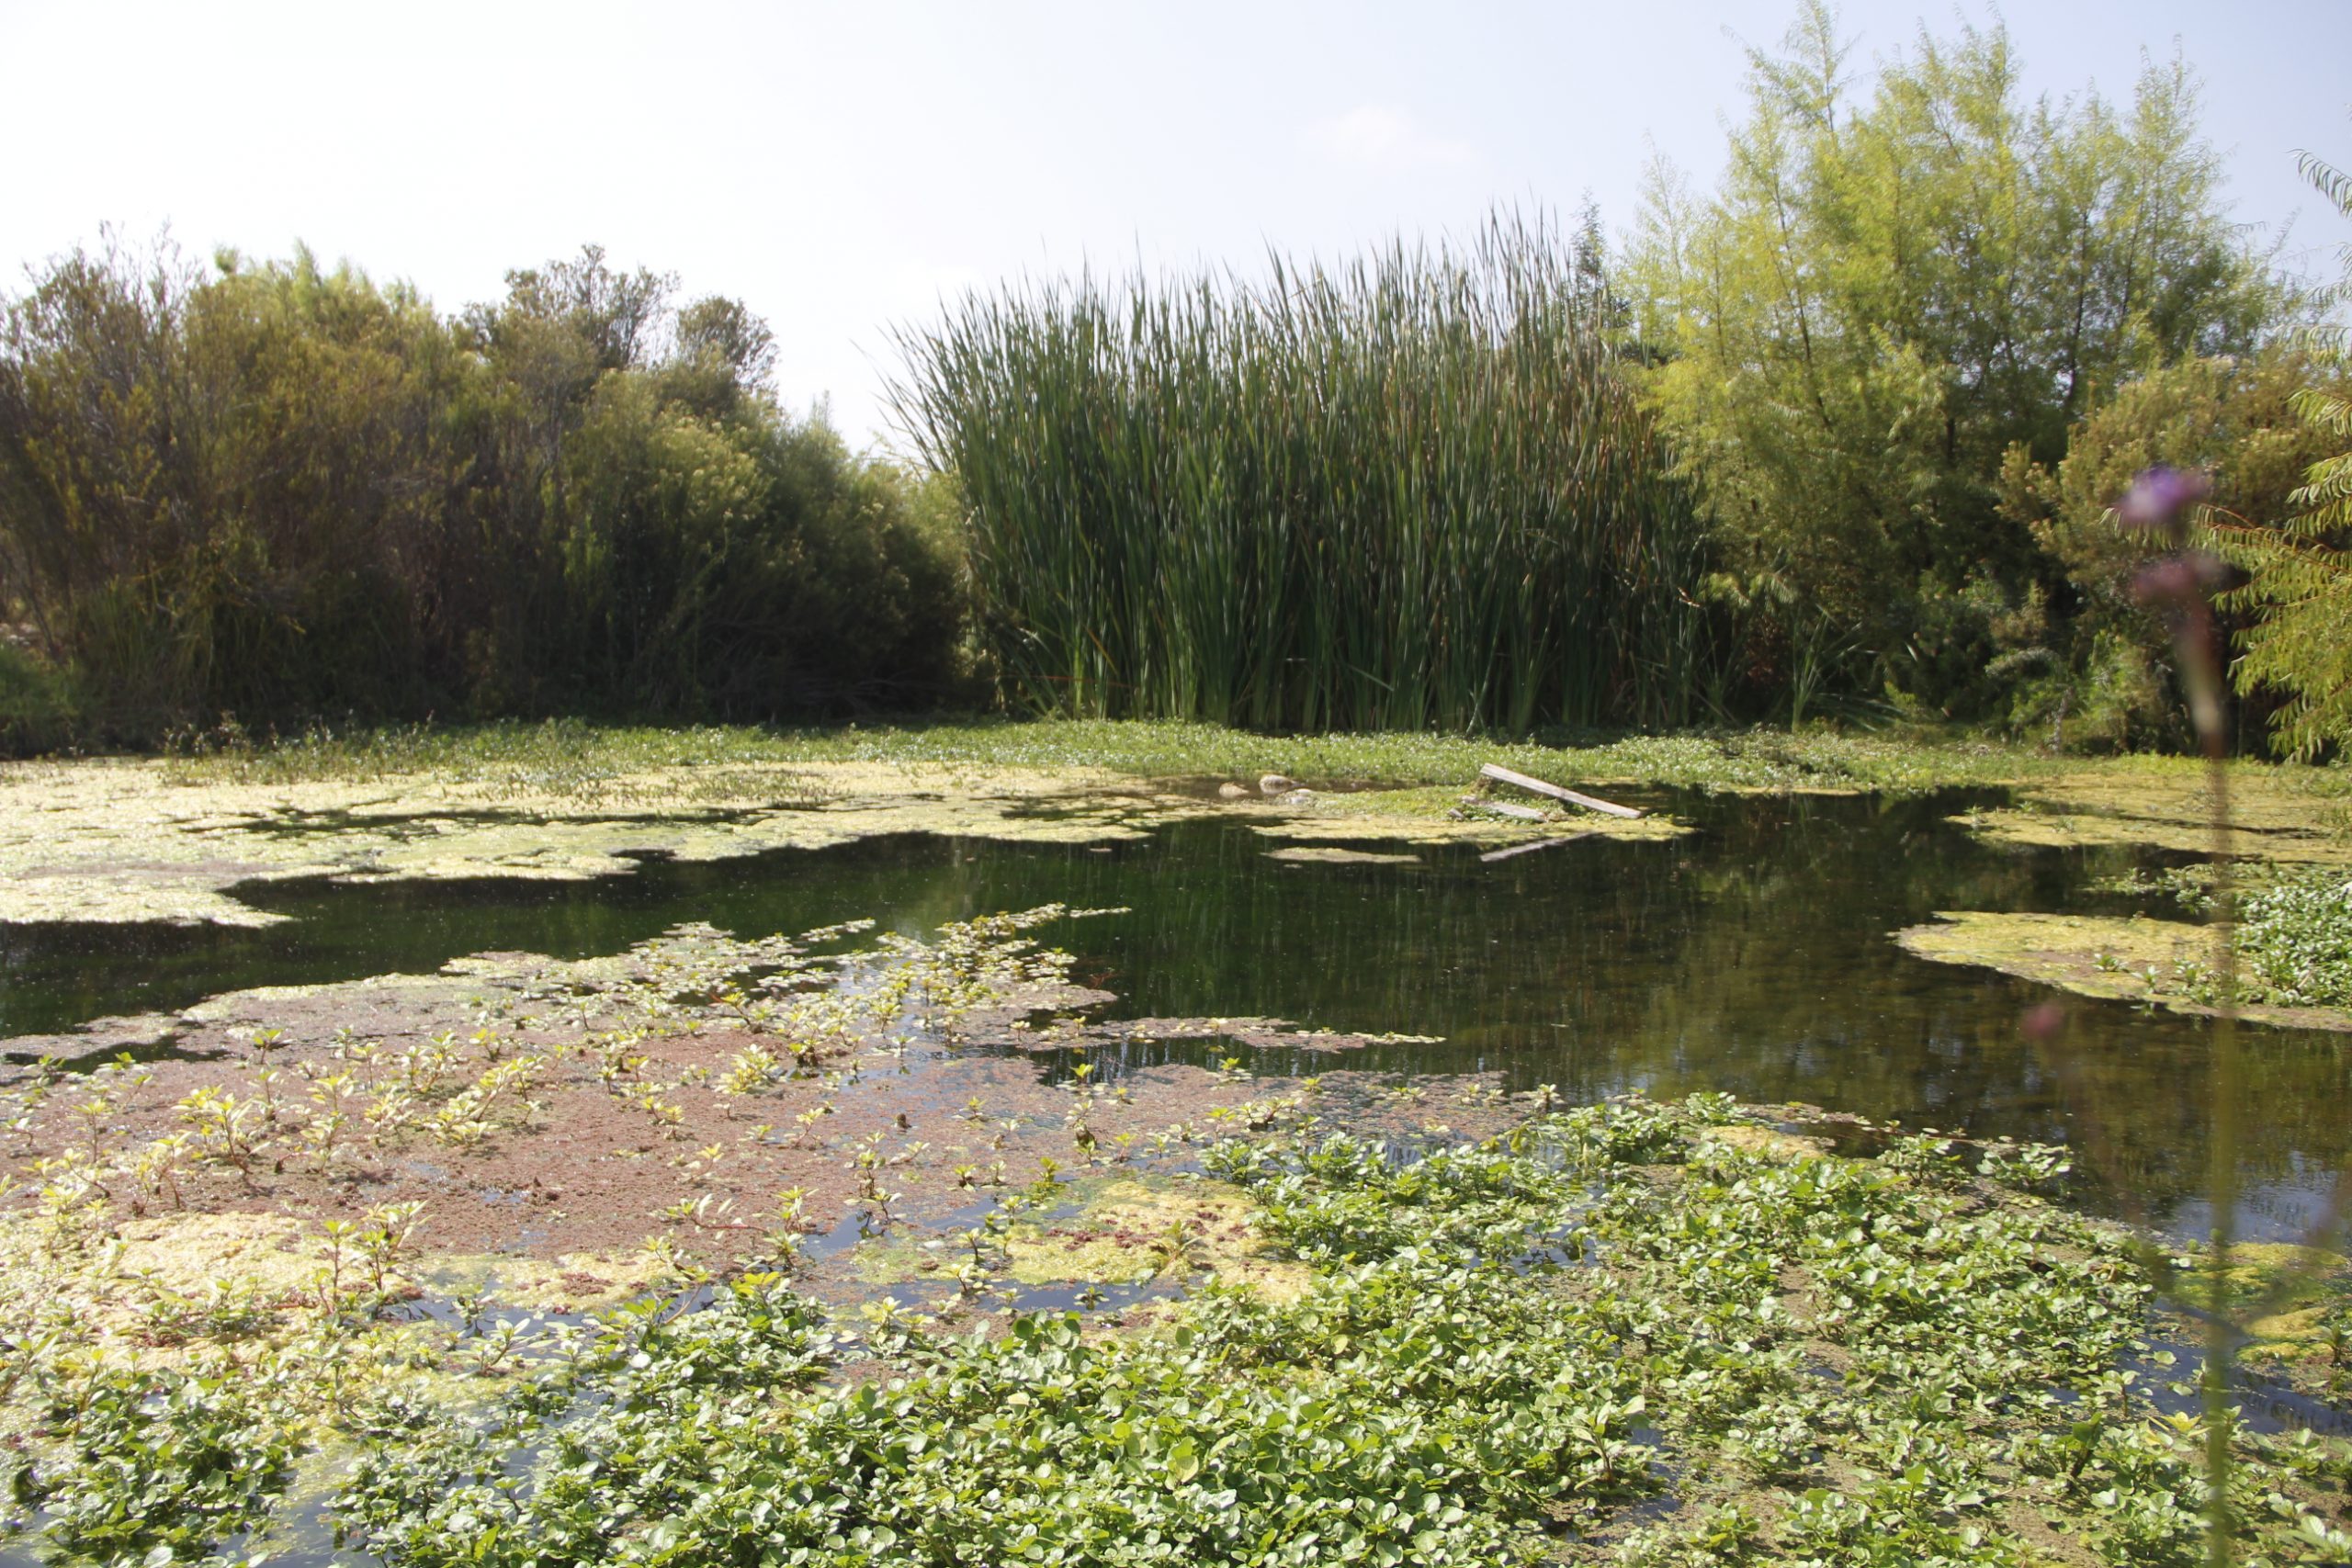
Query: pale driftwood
{"points": [[1505, 809], [1501, 774], [1531, 848]]}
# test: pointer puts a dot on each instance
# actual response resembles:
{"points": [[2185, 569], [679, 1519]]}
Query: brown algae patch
{"points": [[137, 1032], [554, 1133], [2163, 962]]}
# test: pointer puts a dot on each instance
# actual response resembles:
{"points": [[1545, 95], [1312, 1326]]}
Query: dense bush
{"points": [[2299, 643], [1846, 429], [1460, 490], [278, 490]]}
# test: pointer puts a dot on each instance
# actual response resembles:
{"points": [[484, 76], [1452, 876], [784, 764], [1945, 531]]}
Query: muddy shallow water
{"points": [[1752, 957]]}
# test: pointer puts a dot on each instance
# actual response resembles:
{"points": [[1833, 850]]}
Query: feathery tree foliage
{"points": [[1415, 490], [280, 491], [2108, 676], [2301, 586], [1881, 299]]}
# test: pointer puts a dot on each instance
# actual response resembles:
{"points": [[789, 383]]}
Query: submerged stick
{"points": [[1531, 848], [1503, 808], [1501, 774]]}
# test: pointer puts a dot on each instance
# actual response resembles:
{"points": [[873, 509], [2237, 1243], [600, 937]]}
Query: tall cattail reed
{"points": [[1415, 490]]}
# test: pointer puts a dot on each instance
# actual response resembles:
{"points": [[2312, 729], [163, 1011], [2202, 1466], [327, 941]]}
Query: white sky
{"points": [[839, 167]]}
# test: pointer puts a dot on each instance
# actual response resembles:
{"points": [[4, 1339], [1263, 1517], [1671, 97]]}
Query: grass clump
{"points": [[1417, 490]]}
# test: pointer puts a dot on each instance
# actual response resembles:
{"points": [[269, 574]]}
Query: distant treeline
{"points": [[1843, 435], [279, 492]]}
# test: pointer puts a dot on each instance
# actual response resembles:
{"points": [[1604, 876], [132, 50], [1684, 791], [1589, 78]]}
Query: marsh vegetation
{"points": [[1912, 1136], [612, 1237]]}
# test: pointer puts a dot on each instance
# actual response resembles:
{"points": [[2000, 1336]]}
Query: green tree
{"points": [[1889, 291], [209, 488], [286, 492], [2300, 585], [2105, 674]]}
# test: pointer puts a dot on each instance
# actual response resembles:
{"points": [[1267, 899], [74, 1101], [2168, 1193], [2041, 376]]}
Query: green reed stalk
{"points": [[1415, 490]]}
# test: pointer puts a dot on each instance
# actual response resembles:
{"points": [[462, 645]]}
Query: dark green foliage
{"points": [[157, 1466], [39, 703], [1391, 1439], [2301, 643], [2102, 671], [1411, 491], [280, 491]]}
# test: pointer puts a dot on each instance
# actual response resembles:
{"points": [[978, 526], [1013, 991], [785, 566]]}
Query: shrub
{"points": [[283, 491]]}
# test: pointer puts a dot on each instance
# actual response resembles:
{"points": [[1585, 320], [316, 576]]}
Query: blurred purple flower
{"points": [[2185, 579], [2044, 1022], [2160, 496]]}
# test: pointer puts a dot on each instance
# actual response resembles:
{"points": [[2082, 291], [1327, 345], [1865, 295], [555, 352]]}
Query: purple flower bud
{"points": [[2160, 495]]}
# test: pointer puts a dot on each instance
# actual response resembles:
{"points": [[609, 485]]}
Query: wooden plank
{"points": [[1505, 809], [1492, 855], [1501, 774]]}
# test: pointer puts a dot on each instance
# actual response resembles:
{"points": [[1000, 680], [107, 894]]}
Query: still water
{"points": [[1751, 957]]}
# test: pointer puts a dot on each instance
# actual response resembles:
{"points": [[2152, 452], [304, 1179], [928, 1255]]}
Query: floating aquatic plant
{"points": [[1506, 1348]]}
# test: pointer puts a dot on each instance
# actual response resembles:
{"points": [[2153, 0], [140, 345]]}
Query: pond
{"points": [[1751, 957]]}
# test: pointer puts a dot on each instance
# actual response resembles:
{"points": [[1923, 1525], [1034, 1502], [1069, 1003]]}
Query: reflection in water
{"points": [[1751, 957]]}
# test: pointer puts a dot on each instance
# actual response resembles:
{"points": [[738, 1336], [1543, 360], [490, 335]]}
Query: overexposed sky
{"points": [[840, 167]]}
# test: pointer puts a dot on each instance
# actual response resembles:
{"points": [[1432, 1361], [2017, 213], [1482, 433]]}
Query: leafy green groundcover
{"points": [[2296, 936], [1642, 1334]]}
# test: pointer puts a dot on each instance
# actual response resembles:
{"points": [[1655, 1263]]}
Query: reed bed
{"points": [[1413, 491]]}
